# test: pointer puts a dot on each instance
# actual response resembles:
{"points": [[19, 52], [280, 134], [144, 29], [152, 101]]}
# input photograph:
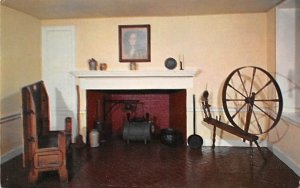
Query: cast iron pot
{"points": [[169, 136]]}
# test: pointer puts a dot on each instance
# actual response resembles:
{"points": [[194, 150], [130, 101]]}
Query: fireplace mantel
{"points": [[132, 80], [152, 79], [151, 73]]}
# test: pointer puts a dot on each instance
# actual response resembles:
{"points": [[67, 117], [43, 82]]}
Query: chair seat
{"points": [[48, 159], [49, 140]]}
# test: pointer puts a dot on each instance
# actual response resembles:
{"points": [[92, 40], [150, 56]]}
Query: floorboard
{"points": [[116, 164]]}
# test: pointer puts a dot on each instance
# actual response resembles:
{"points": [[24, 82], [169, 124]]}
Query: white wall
{"points": [[288, 57], [284, 138], [20, 66]]}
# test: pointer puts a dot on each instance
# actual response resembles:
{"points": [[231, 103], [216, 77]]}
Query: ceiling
{"points": [[290, 4], [62, 9]]}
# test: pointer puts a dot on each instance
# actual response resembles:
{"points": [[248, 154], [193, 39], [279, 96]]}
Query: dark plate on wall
{"points": [[170, 63]]}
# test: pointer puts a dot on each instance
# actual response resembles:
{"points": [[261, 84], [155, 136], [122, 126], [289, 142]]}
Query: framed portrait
{"points": [[134, 43]]}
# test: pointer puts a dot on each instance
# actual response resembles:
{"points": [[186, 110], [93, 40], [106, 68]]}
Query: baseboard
{"points": [[11, 154], [232, 143], [284, 158]]}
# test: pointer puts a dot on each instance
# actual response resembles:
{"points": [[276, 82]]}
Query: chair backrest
{"points": [[29, 129], [35, 106], [38, 93]]}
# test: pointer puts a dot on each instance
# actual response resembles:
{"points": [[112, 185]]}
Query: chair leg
{"points": [[33, 176], [63, 174]]}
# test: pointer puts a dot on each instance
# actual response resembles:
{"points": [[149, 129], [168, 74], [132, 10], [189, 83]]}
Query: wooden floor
{"points": [[116, 164]]}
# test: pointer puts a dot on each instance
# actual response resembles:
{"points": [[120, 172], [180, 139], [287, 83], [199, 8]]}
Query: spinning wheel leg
{"points": [[260, 151], [251, 150], [214, 137]]}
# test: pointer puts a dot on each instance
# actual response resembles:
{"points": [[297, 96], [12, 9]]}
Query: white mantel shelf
{"points": [[136, 73], [151, 79]]}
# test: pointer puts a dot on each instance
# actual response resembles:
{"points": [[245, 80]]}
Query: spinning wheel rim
{"points": [[249, 101]]}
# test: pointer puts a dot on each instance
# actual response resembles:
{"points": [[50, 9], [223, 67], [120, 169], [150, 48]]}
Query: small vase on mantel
{"points": [[102, 66], [93, 64], [133, 66]]}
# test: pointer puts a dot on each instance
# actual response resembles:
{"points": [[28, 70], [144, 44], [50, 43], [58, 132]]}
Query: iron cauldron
{"points": [[169, 136]]}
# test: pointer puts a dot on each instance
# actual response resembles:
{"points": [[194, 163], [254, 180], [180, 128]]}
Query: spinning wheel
{"points": [[252, 100]]}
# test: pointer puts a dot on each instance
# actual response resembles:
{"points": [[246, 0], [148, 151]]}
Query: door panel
{"points": [[58, 62]]}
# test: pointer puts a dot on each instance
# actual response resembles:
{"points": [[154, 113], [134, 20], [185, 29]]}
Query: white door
{"points": [[58, 55]]}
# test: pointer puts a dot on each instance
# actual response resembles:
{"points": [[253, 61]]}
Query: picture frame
{"points": [[134, 43]]}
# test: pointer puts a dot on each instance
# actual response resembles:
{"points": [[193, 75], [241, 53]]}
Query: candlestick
{"points": [[181, 60]]}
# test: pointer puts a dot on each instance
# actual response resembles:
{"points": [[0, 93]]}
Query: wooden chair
{"points": [[44, 150]]}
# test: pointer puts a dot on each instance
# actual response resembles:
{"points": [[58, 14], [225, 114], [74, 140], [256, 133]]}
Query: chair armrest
{"points": [[62, 141], [68, 130], [68, 125]]}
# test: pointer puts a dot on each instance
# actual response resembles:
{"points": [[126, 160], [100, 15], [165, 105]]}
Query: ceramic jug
{"points": [[93, 64]]}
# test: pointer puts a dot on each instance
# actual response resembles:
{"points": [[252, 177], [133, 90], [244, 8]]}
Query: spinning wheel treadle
{"points": [[252, 100]]}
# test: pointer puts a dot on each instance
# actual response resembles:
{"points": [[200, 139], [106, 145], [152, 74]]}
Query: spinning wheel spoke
{"points": [[265, 113], [236, 90], [258, 124], [242, 82], [248, 118], [233, 116], [253, 75], [267, 100], [268, 83], [235, 100]]}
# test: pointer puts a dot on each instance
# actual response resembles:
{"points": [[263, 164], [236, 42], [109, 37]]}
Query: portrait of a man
{"points": [[134, 43]]}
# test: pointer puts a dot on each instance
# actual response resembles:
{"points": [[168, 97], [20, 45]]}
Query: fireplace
{"points": [[113, 108], [165, 95]]}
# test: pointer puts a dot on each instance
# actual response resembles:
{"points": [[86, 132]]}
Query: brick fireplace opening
{"points": [[166, 109]]}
